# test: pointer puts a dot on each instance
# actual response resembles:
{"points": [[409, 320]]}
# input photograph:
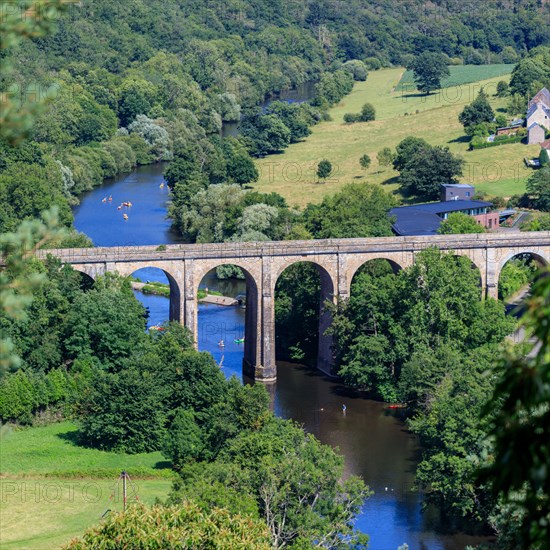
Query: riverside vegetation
{"points": [[79, 350]]}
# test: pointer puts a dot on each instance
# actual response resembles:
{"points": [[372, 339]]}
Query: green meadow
{"points": [[52, 489], [497, 170]]}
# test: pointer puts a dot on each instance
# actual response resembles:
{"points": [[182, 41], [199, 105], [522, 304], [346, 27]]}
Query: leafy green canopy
{"points": [[477, 112], [532, 72], [460, 223], [228, 447], [178, 527], [516, 275], [389, 317], [357, 211], [423, 168], [20, 21], [18, 281], [538, 188], [287, 478], [429, 68], [518, 414]]}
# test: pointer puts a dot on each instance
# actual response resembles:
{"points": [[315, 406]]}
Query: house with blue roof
{"points": [[425, 219]]}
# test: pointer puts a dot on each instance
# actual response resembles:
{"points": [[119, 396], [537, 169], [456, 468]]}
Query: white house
{"points": [[538, 116]]}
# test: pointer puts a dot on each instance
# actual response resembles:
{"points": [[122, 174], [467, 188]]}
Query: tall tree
{"points": [[429, 68], [424, 168], [538, 187]]}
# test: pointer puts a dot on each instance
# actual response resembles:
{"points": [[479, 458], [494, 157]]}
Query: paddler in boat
{"points": [[221, 344]]}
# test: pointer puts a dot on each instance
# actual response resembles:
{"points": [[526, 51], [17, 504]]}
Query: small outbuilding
{"points": [[536, 133]]}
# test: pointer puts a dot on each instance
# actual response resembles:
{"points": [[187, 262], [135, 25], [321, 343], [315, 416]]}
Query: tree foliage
{"points": [[324, 169], [429, 68], [515, 275], [538, 188], [518, 414], [365, 161], [184, 526], [478, 112], [294, 481], [424, 168], [385, 157], [459, 223], [532, 72], [358, 210], [389, 317]]}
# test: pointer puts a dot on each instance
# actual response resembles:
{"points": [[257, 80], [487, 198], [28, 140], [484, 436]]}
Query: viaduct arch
{"points": [[337, 261]]}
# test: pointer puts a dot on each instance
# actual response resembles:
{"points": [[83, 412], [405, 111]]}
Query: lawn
{"points": [[52, 489], [497, 170], [52, 450], [460, 74]]}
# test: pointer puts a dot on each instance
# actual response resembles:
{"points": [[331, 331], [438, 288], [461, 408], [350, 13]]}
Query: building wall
{"points": [[490, 220], [540, 117], [451, 193], [536, 135]]}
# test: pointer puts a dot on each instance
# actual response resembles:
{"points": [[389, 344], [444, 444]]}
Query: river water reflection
{"points": [[372, 438]]}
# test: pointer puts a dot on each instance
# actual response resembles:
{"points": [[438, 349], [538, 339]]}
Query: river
{"points": [[373, 439]]}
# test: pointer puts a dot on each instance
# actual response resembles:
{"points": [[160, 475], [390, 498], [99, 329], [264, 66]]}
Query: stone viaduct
{"points": [[337, 261]]}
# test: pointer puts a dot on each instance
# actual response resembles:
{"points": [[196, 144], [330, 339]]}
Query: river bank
{"points": [[204, 296]]}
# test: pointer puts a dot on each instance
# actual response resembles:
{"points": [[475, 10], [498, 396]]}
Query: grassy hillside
{"points": [[498, 170], [52, 489]]}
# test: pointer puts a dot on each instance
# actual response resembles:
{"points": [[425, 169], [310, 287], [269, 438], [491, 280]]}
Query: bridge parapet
{"points": [[300, 248]]}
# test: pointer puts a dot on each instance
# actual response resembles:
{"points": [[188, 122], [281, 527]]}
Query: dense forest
{"points": [[141, 82]]}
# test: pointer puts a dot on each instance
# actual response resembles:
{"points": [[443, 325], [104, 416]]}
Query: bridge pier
{"points": [[325, 358], [266, 370], [189, 306]]}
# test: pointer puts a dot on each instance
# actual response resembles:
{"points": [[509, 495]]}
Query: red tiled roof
{"points": [[545, 144]]}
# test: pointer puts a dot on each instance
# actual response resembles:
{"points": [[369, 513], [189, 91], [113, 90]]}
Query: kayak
{"points": [[239, 341]]}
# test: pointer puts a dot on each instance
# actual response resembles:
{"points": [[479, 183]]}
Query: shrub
{"points": [[515, 275], [123, 413], [350, 118], [368, 113], [480, 143]]}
